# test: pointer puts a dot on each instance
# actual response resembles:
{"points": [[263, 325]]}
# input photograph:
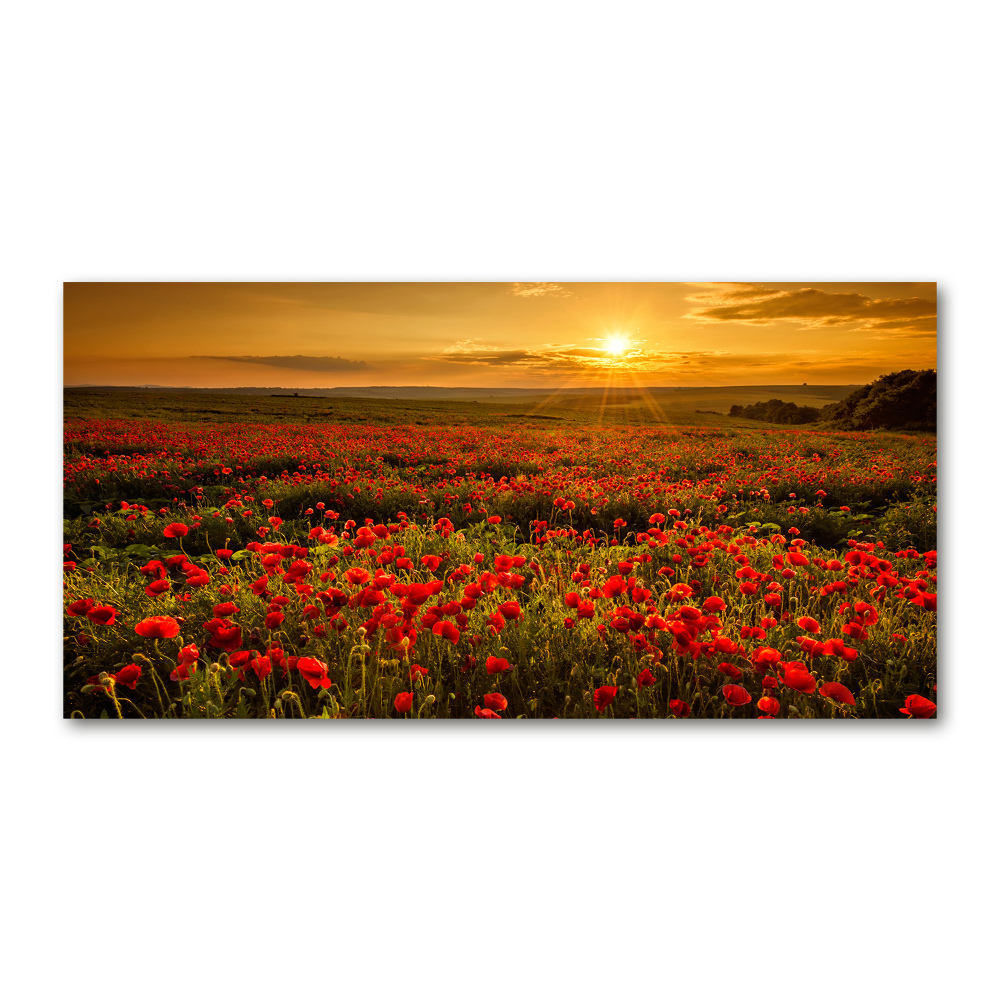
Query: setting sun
{"points": [[616, 345]]}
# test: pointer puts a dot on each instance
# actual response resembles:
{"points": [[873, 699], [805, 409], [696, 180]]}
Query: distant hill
{"points": [[826, 393]]}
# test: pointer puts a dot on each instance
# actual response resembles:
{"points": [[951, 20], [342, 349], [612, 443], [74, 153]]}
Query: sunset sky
{"points": [[319, 335]]}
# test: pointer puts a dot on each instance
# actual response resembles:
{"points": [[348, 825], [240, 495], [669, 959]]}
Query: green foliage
{"points": [[776, 411], [905, 400]]}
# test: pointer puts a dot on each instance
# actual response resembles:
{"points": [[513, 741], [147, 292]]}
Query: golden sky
{"points": [[327, 334]]}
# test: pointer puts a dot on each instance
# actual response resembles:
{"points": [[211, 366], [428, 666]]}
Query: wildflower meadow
{"points": [[291, 559]]}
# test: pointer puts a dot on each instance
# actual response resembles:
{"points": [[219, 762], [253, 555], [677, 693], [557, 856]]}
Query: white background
{"points": [[514, 141]]}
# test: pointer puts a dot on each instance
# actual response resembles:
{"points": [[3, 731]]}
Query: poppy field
{"points": [[480, 564]]}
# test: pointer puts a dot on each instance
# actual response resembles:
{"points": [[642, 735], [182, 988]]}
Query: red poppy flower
{"points": [[765, 655], [799, 679], [417, 671], [808, 624], [102, 614], [128, 675], [175, 530], [495, 701], [261, 666], [836, 647], [486, 713], [312, 670], [447, 631], [918, 707], [224, 610], [769, 705], [713, 605], [646, 679], [158, 627], [511, 610], [403, 701], [603, 697], [273, 620], [189, 654], [731, 670], [80, 607], [357, 576], [680, 708], [736, 694], [497, 665], [158, 587], [493, 519], [837, 692]]}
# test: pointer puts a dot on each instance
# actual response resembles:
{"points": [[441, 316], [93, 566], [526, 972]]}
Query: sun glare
{"points": [[616, 345]]}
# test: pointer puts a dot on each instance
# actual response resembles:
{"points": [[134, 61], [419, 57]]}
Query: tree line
{"points": [[905, 400]]}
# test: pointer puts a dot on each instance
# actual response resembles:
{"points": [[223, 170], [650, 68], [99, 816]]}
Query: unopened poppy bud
{"points": [[103, 676], [287, 695], [404, 642], [277, 706], [88, 688], [430, 699], [362, 632]]}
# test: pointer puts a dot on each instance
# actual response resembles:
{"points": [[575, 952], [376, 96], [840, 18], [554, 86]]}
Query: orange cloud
{"points": [[758, 305]]}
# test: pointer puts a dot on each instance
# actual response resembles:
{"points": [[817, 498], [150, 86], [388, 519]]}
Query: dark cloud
{"points": [[758, 305], [570, 360], [487, 357], [301, 362]]}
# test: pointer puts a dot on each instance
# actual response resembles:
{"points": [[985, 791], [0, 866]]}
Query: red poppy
{"points": [[603, 697], [808, 624], [224, 610], [189, 654], [158, 627], [447, 631], [713, 605], [175, 530], [273, 620], [680, 708], [769, 705], [497, 665], [486, 713], [799, 679], [80, 607], [511, 610], [765, 655], [225, 635], [493, 519], [357, 576], [918, 707], [403, 701], [730, 670], [736, 694], [158, 587], [417, 671], [128, 675], [312, 670], [102, 614], [646, 679], [837, 692], [495, 701], [836, 647]]}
